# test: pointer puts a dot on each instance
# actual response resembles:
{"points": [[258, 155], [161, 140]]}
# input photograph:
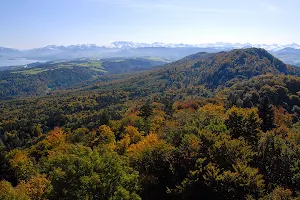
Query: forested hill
{"points": [[210, 126], [211, 70], [198, 73], [40, 79]]}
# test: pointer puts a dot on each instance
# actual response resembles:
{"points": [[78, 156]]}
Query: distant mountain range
{"points": [[288, 53], [218, 45]]}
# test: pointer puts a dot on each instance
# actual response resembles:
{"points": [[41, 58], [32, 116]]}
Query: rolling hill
{"points": [[203, 72], [40, 79], [198, 73]]}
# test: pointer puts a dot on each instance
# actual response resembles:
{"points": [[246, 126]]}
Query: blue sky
{"points": [[35, 23]]}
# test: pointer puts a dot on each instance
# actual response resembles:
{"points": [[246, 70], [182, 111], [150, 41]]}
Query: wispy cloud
{"points": [[178, 7], [183, 8]]}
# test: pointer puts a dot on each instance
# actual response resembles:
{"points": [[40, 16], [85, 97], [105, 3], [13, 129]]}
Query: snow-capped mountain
{"points": [[48, 48], [9, 52], [130, 45], [219, 45], [78, 46], [134, 45], [288, 53]]}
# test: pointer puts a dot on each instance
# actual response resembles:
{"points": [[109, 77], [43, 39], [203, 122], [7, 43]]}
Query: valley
{"points": [[41, 78]]}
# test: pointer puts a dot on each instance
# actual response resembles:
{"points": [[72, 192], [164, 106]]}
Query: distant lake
{"points": [[17, 61]]}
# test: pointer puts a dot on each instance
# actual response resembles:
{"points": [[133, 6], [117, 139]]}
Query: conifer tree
{"points": [[266, 113]]}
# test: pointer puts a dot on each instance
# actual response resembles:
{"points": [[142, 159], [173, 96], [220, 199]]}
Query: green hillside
{"points": [[200, 74], [42, 78]]}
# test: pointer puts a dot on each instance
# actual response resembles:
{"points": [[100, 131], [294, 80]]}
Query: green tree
{"points": [[152, 158], [275, 160], [146, 110], [266, 113], [244, 122], [81, 173]]}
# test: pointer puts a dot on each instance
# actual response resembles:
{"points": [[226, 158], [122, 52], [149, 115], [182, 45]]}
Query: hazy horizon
{"points": [[107, 45], [34, 24]]}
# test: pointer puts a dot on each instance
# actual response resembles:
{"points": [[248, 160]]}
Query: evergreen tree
{"points": [[266, 113], [146, 110]]}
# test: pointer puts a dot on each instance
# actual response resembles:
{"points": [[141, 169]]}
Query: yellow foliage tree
{"points": [[211, 111], [105, 137], [133, 133], [282, 118], [22, 164], [148, 141], [56, 137], [8, 192], [157, 122], [123, 144], [38, 187]]}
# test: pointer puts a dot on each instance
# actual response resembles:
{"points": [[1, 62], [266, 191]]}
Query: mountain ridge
{"points": [[209, 70], [130, 44], [288, 53], [202, 73]]}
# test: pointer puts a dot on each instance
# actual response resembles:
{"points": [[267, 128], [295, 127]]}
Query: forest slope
{"points": [[198, 73]]}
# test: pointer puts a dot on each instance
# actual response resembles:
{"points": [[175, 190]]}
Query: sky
{"points": [[28, 24]]}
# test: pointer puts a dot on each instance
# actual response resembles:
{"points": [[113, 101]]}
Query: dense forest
{"points": [[210, 126], [42, 78]]}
